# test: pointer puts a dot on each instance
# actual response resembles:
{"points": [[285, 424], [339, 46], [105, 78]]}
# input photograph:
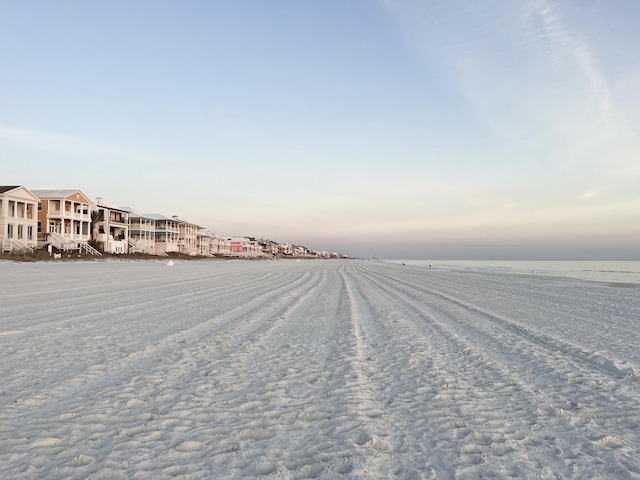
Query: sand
{"points": [[314, 369]]}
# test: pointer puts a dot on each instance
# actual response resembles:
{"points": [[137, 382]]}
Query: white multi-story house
{"points": [[166, 235], [216, 245], [142, 233], [111, 227], [64, 219], [210, 245], [18, 219], [286, 249]]}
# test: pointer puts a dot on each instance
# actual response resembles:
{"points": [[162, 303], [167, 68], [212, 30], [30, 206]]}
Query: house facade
{"points": [[189, 235], [67, 220], [64, 218], [142, 233], [269, 247], [244, 247], [167, 234], [110, 227], [18, 220], [210, 245]]}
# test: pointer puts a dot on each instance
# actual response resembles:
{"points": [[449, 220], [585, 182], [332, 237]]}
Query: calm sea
{"points": [[627, 272]]}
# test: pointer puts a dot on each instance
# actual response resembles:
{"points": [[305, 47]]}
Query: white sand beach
{"points": [[313, 369]]}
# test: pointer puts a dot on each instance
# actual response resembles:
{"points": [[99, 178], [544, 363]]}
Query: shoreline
{"points": [[615, 272]]}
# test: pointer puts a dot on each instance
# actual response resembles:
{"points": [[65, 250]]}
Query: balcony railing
{"points": [[69, 214]]}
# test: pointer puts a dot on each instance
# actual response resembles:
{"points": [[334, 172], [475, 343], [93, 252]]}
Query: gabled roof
{"points": [[55, 194], [18, 191]]}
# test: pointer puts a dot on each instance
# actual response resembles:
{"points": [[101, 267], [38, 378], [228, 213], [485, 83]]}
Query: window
{"points": [[30, 232], [20, 231], [39, 206], [39, 227], [10, 231]]}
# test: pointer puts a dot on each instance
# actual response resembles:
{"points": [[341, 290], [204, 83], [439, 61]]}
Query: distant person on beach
{"points": [[429, 264]]}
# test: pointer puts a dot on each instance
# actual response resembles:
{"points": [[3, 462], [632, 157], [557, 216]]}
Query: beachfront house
{"points": [[110, 227], [286, 249], [64, 219], [236, 245], [167, 234], [210, 245], [269, 247], [244, 246], [18, 220], [254, 248], [142, 233], [204, 244], [188, 236], [300, 251]]}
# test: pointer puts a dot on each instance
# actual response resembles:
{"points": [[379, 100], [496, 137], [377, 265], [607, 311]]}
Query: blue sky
{"points": [[403, 129]]}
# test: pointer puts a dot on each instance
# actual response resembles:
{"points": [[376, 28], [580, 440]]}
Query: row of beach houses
{"points": [[68, 221]]}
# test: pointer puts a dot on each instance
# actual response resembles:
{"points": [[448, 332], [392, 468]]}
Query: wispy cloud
{"points": [[59, 143], [563, 44], [594, 192], [533, 80]]}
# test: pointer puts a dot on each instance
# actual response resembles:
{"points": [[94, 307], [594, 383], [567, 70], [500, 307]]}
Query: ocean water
{"points": [[619, 272]]}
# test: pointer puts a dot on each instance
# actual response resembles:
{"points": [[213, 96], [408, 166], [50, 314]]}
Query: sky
{"points": [[489, 129]]}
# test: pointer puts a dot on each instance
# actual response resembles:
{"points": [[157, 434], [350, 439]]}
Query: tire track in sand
{"points": [[491, 364]]}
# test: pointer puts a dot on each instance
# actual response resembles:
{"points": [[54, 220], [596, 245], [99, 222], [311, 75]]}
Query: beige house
{"points": [[18, 220], [213, 244], [64, 217], [209, 245], [167, 234], [188, 234]]}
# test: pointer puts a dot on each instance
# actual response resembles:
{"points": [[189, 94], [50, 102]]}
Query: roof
{"points": [[134, 214], [101, 202], [157, 216], [18, 192], [55, 193]]}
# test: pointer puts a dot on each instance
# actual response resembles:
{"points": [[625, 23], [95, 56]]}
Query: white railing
{"points": [[66, 244], [68, 214], [89, 249], [138, 246], [13, 246]]}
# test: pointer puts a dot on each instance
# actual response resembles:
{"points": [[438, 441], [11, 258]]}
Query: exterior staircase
{"points": [[12, 246], [84, 246], [60, 242], [138, 247], [65, 244]]}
